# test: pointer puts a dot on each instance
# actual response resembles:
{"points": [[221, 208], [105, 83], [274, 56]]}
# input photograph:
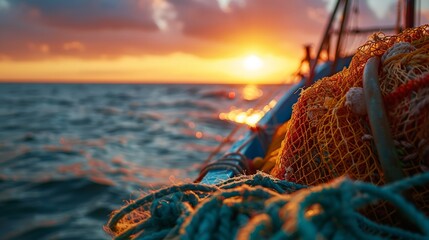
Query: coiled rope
{"points": [[260, 206]]}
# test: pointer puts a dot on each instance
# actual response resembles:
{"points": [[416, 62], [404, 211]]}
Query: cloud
{"points": [[330, 4], [258, 22], [4, 5], [90, 15], [227, 5], [165, 16], [43, 48], [74, 46], [381, 8], [109, 28], [205, 28]]}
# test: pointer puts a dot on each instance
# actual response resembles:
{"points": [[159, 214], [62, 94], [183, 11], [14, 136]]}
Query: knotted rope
{"points": [[259, 206]]}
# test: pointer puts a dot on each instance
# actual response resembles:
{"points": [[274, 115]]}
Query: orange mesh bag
{"points": [[405, 80], [329, 136]]}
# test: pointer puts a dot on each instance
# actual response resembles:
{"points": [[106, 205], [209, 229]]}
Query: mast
{"points": [[409, 13], [340, 35], [313, 65]]}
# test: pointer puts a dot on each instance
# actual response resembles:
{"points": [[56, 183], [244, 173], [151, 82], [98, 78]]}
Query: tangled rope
{"points": [[260, 206]]}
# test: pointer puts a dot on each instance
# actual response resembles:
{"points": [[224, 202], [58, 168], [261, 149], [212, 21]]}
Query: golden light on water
{"points": [[199, 134], [251, 92], [250, 116]]}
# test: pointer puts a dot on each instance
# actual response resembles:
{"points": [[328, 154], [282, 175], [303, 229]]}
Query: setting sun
{"points": [[252, 63]]}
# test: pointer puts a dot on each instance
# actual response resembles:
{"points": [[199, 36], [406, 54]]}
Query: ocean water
{"points": [[70, 154]]}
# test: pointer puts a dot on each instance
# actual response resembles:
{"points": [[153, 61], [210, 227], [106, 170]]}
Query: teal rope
{"points": [[259, 206], [383, 229], [154, 199], [340, 207], [207, 217], [262, 180]]}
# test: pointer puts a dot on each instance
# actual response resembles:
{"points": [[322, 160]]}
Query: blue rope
{"points": [[259, 206], [154, 198]]}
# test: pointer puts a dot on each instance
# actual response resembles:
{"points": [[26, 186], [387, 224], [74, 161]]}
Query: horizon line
{"points": [[137, 83]]}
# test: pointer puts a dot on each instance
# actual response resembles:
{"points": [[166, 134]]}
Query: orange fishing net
{"points": [[329, 134]]}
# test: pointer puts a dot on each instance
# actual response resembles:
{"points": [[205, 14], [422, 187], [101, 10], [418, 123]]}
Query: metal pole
{"points": [[340, 36], [325, 36], [398, 17], [409, 13]]}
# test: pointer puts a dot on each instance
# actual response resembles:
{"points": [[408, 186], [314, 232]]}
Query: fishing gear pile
{"points": [[329, 134], [328, 137], [261, 207]]}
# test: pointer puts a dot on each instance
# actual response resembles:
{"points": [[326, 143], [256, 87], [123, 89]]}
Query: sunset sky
{"points": [[167, 41]]}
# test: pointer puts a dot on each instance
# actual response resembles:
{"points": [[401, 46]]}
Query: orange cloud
{"points": [[118, 28], [74, 46], [108, 39], [42, 48]]}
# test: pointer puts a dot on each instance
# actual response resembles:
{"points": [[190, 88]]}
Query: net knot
{"points": [[166, 210]]}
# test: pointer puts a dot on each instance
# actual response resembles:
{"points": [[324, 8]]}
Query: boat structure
{"points": [[344, 153]]}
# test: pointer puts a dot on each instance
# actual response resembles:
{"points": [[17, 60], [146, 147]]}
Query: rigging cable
{"points": [[419, 12]]}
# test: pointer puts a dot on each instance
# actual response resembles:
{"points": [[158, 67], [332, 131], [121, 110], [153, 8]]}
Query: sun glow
{"points": [[253, 63], [172, 68]]}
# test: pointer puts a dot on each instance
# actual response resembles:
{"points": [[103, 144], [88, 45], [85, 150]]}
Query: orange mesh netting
{"points": [[329, 136]]}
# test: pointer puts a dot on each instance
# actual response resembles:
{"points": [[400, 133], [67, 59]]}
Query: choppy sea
{"points": [[70, 154]]}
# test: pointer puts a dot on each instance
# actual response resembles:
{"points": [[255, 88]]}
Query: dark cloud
{"points": [[263, 19], [80, 28], [86, 29], [35, 29], [275, 23], [90, 15]]}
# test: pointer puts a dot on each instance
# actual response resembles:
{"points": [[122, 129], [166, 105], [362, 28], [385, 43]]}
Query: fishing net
{"points": [[330, 136]]}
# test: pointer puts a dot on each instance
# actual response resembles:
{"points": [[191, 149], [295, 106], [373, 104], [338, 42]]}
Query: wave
{"points": [[60, 174], [181, 104], [42, 210]]}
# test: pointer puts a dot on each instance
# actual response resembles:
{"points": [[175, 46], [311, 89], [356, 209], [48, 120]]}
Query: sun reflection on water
{"points": [[251, 93], [250, 116]]}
